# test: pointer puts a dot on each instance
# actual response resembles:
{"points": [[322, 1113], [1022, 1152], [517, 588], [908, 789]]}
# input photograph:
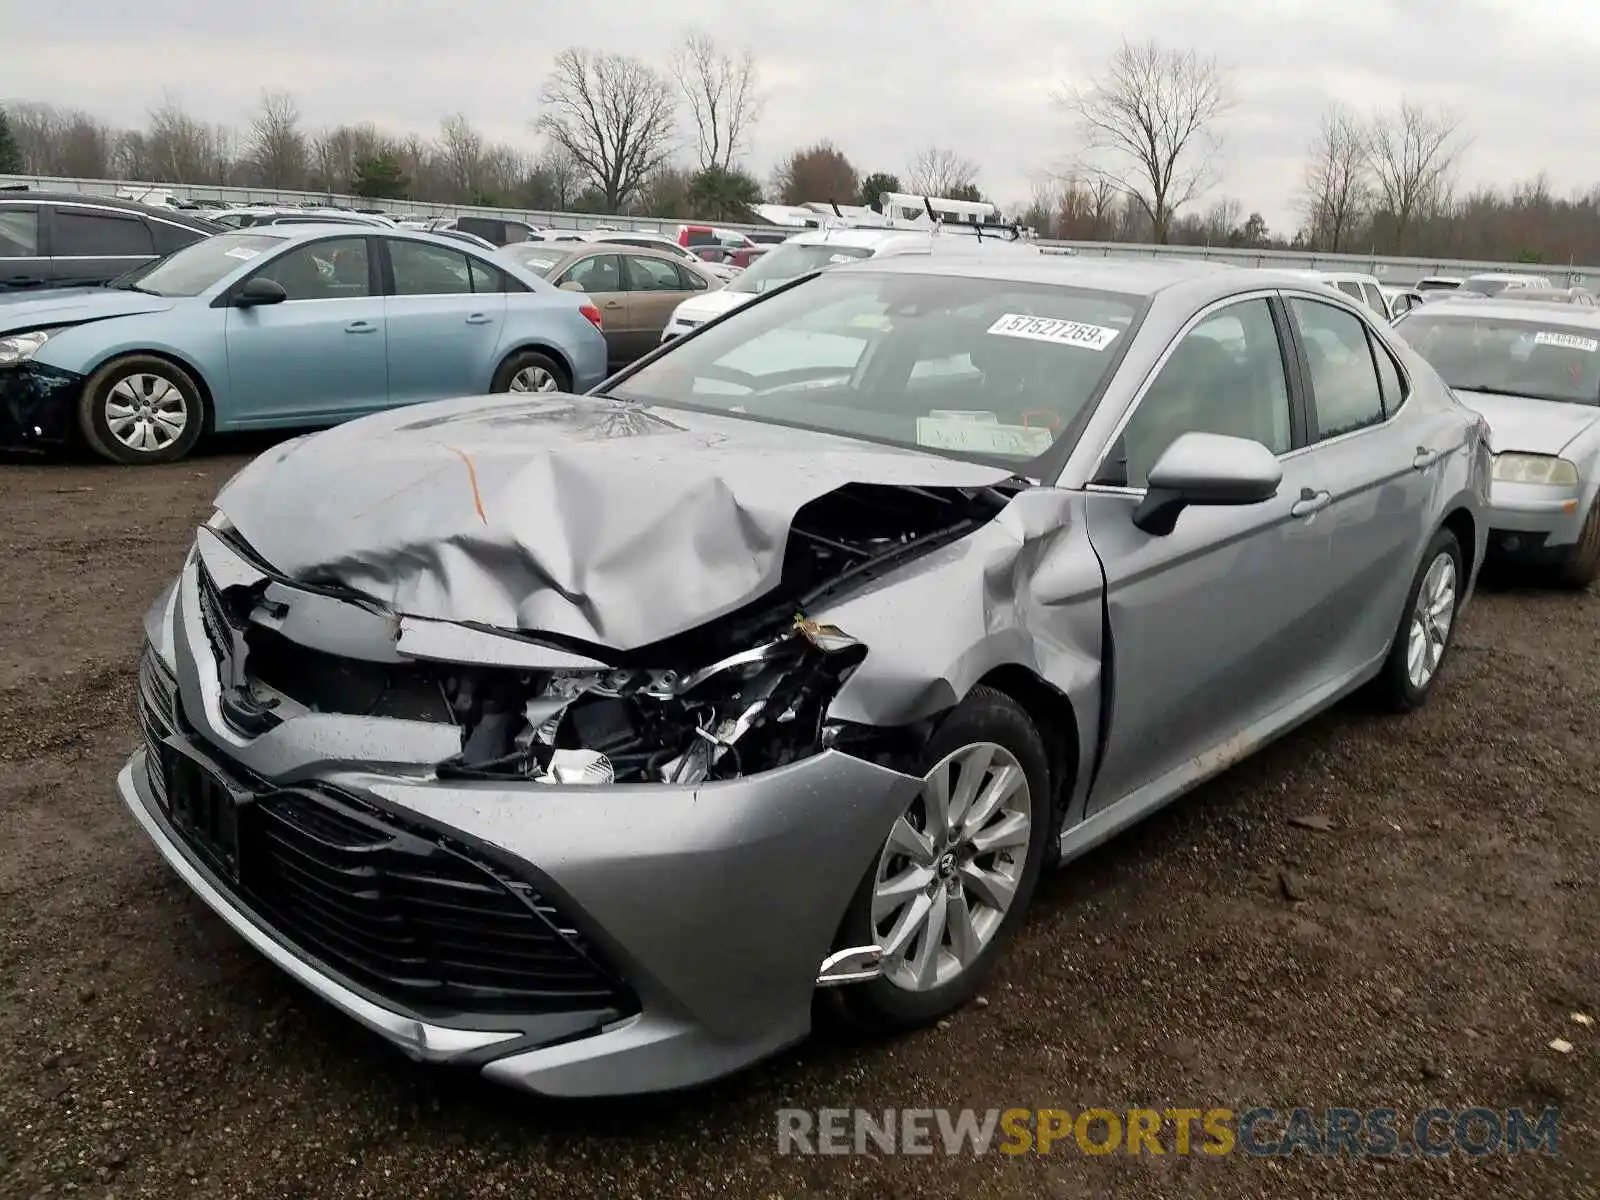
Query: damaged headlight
{"points": [[19, 347], [750, 711]]}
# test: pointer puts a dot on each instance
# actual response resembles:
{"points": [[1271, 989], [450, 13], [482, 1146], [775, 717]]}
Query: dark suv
{"points": [[502, 231], [61, 239]]}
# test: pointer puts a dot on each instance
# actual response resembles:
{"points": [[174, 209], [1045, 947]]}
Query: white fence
{"points": [[1387, 269]]}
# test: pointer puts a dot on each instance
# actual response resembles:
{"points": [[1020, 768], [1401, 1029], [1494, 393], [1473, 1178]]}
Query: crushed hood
{"points": [[615, 524], [1528, 425], [67, 306]]}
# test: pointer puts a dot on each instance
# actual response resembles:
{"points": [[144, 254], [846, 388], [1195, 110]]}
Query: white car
{"points": [[1495, 283], [660, 241], [1364, 289], [824, 248]]}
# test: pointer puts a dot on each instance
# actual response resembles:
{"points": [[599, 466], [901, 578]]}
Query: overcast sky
{"points": [[882, 78]]}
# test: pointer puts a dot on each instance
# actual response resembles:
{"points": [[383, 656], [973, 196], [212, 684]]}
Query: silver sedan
{"points": [[1533, 369], [581, 740]]}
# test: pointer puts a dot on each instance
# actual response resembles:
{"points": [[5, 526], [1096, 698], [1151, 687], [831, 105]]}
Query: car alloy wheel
{"points": [[146, 413], [1431, 618], [951, 866], [535, 379]]}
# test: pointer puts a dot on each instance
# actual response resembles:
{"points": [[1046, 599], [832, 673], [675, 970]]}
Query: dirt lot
{"points": [[1446, 933]]}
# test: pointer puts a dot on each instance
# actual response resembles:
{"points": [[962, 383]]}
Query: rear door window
{"points": [[19, 232], [83, 233]]}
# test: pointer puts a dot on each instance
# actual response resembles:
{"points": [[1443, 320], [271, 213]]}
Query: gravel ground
{"points": [[1443, 936]]}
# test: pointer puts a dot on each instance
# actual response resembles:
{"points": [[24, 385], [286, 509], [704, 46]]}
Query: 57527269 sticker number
{"points": [[1055, 331]]}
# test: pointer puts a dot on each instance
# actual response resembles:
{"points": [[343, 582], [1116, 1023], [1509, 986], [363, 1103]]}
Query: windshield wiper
{"points": [[130, 287]]}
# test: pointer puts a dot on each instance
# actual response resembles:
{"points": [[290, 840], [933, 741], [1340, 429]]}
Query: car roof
{"points": [[1138, 277], [177, 216], [1537, 311]]}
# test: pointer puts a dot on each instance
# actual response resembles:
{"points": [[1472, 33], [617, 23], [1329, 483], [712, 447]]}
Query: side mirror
{"points": [[572, 285], [259, 290], [1208, 469]]}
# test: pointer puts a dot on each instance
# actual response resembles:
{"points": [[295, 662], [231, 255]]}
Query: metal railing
{"points": [[1387, 269]]}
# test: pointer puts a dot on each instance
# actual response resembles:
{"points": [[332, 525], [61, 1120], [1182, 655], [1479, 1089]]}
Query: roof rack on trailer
{"points": [[995, 230]]}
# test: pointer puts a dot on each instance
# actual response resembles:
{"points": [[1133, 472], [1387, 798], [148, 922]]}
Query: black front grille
{"points": [[158, 697], [410, 918]]}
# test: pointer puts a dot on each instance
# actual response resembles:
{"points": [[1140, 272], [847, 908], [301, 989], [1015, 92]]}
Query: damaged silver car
{"points": [[582, 739]]}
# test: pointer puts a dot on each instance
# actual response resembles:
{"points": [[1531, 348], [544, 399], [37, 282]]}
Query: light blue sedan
{"points": [[286, 326]]}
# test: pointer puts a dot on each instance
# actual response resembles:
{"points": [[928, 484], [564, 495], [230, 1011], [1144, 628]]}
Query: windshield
{"points": [[535, 256], [985, 369], [1509, 356], [787, 261], [192, 270]]}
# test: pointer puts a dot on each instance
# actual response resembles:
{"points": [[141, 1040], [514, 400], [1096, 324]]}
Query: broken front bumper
{"points": [[36, 406], [680, 930]]}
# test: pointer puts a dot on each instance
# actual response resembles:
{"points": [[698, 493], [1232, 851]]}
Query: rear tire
{"points": [[530, 371], [140, 410], [992, 738], [1582, 563], [1427, 628]]}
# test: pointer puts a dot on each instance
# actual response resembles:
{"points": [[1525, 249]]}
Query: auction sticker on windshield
{"points": [[981, 433], [1049, 329], [243, 253], [1567, 341]]}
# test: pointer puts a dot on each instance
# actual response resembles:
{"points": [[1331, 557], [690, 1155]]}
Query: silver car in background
{"points": [[581, 739], [1533, 369]]}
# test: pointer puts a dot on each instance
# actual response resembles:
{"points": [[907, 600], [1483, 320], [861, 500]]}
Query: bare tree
{"points": [[723, 98], [1411, 153], [276, 145], [935, 172], [178, 148], [460, 155], [1338, 182], [614, 115], [1147, 126], [557, 175]]}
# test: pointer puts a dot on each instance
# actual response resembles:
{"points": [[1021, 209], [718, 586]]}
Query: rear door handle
{"points": [[480, 319], [1310, 503], [613, 303], [1425, 458], [361, 327]]}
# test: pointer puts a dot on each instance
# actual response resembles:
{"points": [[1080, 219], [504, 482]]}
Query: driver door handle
{"points": [[480, 319], [361, 327], [1425, 458], [1310, 503]]}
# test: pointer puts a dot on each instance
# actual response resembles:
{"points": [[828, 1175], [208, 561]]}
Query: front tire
{"points": [[1427, 628], [530, 371], [1582, 563], [141, 410], [957, 869]]}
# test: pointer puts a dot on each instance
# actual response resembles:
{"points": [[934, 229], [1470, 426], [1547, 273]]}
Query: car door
{"points": [[1209, 622], [319, 355], [23, 261], [1374, 467], [90, 246], [600, 277], [443, 334], [655, 288]]}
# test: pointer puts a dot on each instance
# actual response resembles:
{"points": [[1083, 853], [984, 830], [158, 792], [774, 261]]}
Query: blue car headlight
{"points": [[19, 347]]}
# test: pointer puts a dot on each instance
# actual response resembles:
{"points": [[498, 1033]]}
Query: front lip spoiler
{"points": [[419, 1040]]}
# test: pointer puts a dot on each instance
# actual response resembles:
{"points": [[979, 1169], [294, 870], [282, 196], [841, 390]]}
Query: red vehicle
{"points": [[733, 256]]}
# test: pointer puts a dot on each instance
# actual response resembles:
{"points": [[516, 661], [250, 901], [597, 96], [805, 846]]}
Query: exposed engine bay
{"points": [[743, 693]]}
